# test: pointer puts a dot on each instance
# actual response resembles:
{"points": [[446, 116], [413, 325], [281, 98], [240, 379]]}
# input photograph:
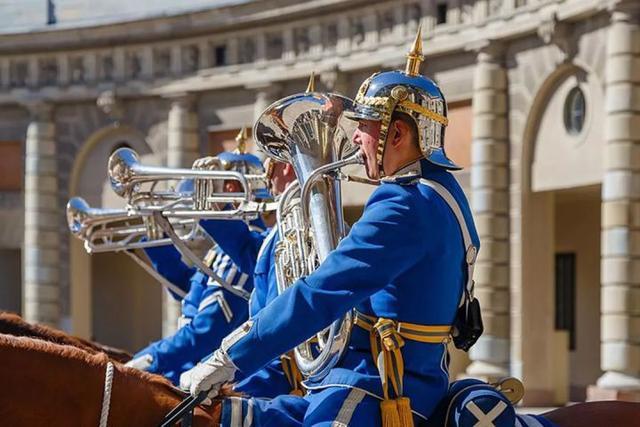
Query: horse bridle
{"points": [[184, 411]]}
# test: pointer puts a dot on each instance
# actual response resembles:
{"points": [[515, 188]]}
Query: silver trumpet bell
{"points": [[140, 185], [309, 131]]}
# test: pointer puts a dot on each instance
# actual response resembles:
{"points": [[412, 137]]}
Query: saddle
{"points": [[471, 402]]}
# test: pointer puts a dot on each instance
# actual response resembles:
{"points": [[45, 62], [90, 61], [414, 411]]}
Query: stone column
{"points": [[41, 257], [182, 150], [490, 202], [620, 289], [266, 94], [344, 36], [336, 81], [182, 131]]}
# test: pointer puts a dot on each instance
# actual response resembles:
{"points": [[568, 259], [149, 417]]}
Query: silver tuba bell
{"points": [[309, 131]]}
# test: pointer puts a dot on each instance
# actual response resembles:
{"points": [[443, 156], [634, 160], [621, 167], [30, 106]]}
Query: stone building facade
{"points": [[544, 102]]}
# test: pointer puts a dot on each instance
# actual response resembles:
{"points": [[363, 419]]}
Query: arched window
{"points": [[575, 111]]}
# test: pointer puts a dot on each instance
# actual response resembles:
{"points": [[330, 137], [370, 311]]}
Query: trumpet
{"points": [[138, 184], [114, 230], [120, 230]]}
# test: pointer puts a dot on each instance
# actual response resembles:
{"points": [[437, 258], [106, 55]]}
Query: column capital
{"points": [[185, 100], [488, 50], [39, 109], [335, 80], [265, 89], [624, 10]]}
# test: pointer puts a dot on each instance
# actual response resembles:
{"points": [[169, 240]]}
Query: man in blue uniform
{"points": [[209, 312], [403, 267], [239, 242]]}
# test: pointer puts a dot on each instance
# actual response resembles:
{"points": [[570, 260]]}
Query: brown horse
{"points": [[597, 414], [46, 384], [12, 324]]}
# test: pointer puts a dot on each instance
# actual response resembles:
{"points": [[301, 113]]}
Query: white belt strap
{"points": [[471, 250]]}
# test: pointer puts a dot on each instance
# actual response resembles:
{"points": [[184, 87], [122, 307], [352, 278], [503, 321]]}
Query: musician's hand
{"points": [[205, 162], [210, 374], [141, 363]]}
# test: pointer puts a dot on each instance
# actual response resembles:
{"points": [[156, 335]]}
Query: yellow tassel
{"points": [[404, 412], [389, 411], [297, 392]]}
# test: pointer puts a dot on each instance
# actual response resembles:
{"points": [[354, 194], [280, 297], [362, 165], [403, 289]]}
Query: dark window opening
{"points": [[441, 13], [220, 53], [566, 295]]}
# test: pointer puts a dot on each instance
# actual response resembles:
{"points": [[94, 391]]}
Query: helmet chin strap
{"points": [[382, 146]]}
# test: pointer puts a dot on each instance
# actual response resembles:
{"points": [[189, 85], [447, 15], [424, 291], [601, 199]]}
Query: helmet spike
{"points": [[241, 139], [311, 86], [415, 57]]}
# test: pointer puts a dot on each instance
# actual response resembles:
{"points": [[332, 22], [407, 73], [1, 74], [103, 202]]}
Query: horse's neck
{"points": [[67, 386]]}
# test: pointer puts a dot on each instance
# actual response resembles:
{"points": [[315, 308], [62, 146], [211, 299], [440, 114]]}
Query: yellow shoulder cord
{"points": [[386, 338], [292, 372]]}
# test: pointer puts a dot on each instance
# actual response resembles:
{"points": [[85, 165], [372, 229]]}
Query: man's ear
{"points": [[398, 130]]}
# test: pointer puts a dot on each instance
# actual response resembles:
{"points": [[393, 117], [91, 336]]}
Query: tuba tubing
{"points": [[309, 131]]}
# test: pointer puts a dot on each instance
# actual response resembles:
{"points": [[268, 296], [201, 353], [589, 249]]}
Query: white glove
{"points": [[185, 380], [211, 374], [141, 363]]}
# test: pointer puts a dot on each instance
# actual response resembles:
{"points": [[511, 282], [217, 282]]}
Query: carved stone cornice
{"points": [[556, 32], [110, 105]]}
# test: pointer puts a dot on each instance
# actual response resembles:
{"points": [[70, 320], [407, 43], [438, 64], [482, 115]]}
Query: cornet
{"points": [[138, 184], [120, 230], [113, 230]]}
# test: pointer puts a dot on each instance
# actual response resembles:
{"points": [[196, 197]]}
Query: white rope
{"points": [[106, 397]]}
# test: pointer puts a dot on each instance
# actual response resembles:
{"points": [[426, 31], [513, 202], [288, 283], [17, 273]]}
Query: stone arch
{"points": [[88, 179], [549, 88], [548, 192]]}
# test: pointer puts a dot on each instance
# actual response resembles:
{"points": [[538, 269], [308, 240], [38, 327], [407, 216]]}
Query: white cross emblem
{"points": [[486, 420]]}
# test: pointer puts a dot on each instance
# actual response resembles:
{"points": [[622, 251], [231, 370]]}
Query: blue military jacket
{"points": [[403, 260], [209, 312], [270, 381]]}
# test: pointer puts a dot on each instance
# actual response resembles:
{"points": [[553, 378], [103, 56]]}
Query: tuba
{"points": [[308, 131]]}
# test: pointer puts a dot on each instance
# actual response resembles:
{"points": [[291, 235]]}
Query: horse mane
{"points": [[13, 324], [98, 360]]}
